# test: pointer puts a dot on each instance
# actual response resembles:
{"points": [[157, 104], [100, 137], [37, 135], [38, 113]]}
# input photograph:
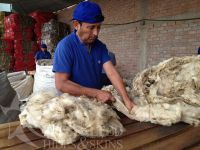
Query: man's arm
{"points": [[117, 82], [64, 85]]}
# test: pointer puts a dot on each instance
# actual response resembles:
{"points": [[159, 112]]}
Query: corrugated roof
{"points": [[27, 6]]}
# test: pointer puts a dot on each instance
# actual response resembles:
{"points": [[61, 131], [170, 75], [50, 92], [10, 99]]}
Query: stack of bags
{"points": [[6, 55], [6, 48], [24, 55], [2, 15], [40, 18], [52, 33], [19, 29]]}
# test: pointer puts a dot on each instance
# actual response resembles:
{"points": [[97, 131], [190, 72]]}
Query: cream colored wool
{"points": [[44, 111], [31, 116], [163, 114], [176, 79], [91, 118], [166, 93], [65, 118], [60, 133]]}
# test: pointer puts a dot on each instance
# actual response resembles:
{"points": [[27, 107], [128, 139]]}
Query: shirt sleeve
{"points": [[36, 55], [63, 60], [105, 55], [49, 55], [113, 59]]}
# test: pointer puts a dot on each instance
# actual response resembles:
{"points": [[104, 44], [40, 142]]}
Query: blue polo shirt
{"points": [[42, 55], [73, 57]]}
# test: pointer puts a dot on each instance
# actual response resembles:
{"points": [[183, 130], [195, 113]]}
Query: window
{"points": [[5, 7]]}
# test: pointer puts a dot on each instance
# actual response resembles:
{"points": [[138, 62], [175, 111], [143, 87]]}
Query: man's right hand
{"points": [[104, 96]]}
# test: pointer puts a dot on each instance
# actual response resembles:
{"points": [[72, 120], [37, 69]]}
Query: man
{"points": [[43, 53], [79, 58]]}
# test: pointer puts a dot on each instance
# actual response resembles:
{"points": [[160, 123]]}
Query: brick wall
{"points": [[124, 42], [170, 8], [143, 44], [119, 11], [165, 40]]}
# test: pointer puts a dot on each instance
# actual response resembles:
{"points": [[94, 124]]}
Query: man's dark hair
{"points": [[80, 22]]}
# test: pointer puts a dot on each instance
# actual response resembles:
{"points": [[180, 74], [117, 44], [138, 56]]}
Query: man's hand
{"points": [[129, 104], [104, 96]]}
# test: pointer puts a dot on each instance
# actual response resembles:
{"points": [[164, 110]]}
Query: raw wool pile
{"points": [[174, 80], [128, 82], [66, 118], [163, 114], [21, 83], [36, 115], [166, 93]]}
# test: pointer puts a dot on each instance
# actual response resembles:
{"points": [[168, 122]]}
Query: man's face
{"points": [[43, 49], [87, 32]]}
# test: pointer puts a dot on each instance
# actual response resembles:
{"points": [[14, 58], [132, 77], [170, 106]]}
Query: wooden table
{"points": [[138, 136]]}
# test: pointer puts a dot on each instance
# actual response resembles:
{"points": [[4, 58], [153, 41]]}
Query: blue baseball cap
{"points": [[43, 46], [89, 12]]}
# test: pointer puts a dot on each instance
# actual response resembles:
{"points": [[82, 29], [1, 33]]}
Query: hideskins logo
{"points": [[34, 137]]}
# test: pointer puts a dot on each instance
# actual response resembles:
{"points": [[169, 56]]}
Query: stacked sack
{"points": [[24, 55], [19, 28], [6, 48], [6, 55], [52, 33], [40, 18], [2, 15]]}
